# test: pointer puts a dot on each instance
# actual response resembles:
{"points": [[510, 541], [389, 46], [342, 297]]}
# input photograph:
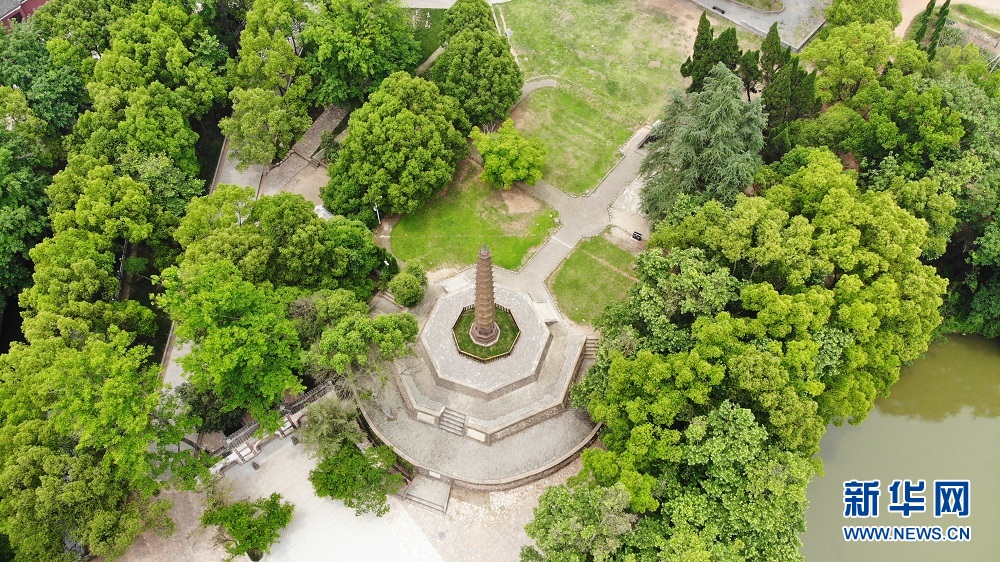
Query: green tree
{"points": [[845, 12], [749, 71], [279, 239], [850, 57], [509, 157], [264, 125], [403, 146], [707, 146], [708, 52], [270, 46], [73, 29], [154, 45], [925, 199], [171, 189], [924, 20], [408, 286], [68, 484], [698, 65], [361, 479], [208, 408], [739, 487], [352, 45], [74, 266], [468, 14], [726, 49], [250, 527], [939, 25], [791, 95], [116, 207], [53, 91], [907, 118], [352, 341], [579, 521], [269, 107], [478, 70], [330, 423], [773, 55], [23, 221], [245, 350]]}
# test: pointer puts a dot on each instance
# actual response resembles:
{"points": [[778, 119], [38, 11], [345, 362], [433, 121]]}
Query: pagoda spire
{"points": [[485, 330]]}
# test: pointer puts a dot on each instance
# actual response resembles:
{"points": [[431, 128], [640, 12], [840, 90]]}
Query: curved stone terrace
{"points": [[516, 460]]}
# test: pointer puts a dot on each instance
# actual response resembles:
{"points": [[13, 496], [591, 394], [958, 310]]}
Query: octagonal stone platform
{"points": [[484, 425], [455, 371]]}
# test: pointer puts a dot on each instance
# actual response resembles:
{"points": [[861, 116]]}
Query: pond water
{"points": [[941, 421]]}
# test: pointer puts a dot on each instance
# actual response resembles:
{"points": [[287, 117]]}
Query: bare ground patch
{"points": [[518, 201]]}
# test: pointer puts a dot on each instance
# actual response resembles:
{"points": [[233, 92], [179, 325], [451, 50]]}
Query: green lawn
{"points": [[508, 333], [427, 25], [978, 17], [596, 273], [581, 144], [614, 62], [450, 229]]}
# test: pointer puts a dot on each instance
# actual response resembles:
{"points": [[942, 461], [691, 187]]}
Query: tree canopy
{"points": [[468, 14], [403, 145], [509, 157], [844, 12], [352, 45], [478, 70], [706, 145]]}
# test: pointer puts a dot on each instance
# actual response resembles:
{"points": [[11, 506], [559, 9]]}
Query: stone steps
{"points": [[429, 492], [590, 348], [452, 421]]}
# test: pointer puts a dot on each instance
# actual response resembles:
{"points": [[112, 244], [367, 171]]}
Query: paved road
{"points": [[796, 22]]}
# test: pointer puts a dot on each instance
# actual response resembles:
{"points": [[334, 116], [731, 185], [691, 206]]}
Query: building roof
{"points": [[8, 6]]}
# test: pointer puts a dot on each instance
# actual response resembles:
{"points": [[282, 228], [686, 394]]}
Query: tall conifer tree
{"points": [[925, 20], [772, 55], [696, 66]]}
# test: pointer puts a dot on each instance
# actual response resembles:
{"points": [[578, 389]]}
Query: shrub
{"points": [[250, 527], [361, 479], [409, 285]]}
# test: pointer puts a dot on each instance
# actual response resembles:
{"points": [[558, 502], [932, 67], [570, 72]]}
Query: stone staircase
{"points": [[590, 348], [452, 421], [429, 492]]}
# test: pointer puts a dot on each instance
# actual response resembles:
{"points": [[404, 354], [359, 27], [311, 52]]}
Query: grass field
{"points": [[450, 229], [596, 273], [508, 333], [581, 145], [428, 26], [614, 62], [977, 16]]}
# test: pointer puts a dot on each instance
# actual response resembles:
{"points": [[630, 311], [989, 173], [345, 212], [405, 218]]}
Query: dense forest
{"points": [[807, 244], [819, 218], [116, 111]]}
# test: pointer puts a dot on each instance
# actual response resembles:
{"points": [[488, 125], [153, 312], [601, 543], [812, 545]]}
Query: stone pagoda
{"points": [[485, 331], [484, 423]]}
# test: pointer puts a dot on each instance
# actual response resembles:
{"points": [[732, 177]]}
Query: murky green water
{"points": [[942, 421]]}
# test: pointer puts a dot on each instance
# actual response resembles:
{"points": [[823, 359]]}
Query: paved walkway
{"points": [[581, 217], [797, 22], [613, 203], [227, 173]]}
